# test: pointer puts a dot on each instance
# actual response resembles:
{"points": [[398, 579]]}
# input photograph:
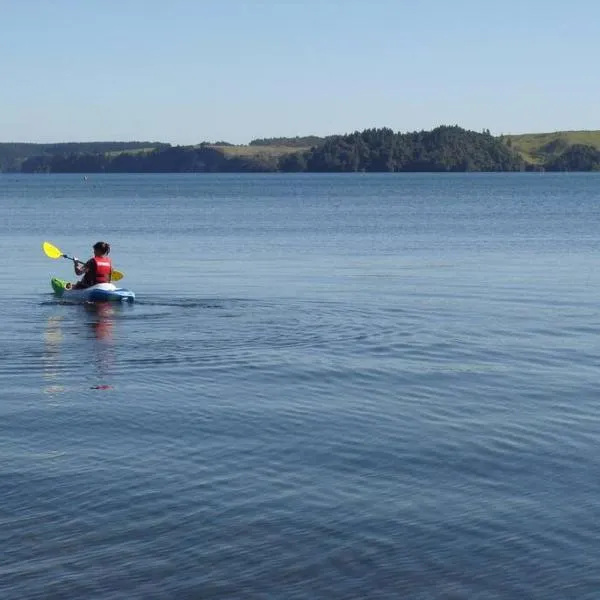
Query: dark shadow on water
{"points": [[160, 301], [191, 303]]}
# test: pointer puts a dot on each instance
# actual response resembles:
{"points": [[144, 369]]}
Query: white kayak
{"points": [[101, 292]]}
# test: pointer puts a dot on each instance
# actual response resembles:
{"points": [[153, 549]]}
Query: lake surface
{"points": [[330, 386]]}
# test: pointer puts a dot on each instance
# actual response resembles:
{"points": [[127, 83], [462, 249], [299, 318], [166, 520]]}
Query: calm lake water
{"points": [[331, 386]]}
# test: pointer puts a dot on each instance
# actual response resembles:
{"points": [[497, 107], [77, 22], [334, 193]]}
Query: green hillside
{"points": [[247, 151], [144, 150], [539, 148]]}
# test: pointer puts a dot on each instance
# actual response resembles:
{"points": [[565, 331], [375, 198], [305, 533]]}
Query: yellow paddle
{"points": [[53, 252]]}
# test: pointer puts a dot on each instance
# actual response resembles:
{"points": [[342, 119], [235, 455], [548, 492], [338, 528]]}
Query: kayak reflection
{"points": [[67, 355], [51, 356], [102, 319]]}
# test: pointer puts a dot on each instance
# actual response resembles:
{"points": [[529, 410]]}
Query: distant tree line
{"points": [[175, 159], [13, 154], [290, 142], [578, 157], [443, 149]]}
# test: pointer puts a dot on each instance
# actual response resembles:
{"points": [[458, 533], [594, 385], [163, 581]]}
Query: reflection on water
{"points": [[101, 319], [94, 358], [51, 357]]}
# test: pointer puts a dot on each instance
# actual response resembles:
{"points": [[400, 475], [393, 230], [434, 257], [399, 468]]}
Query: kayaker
{"points": [[96, 270]]}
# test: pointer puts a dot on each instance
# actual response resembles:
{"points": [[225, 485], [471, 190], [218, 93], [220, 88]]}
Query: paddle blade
{"points": [[117, 275], [51, 251]]}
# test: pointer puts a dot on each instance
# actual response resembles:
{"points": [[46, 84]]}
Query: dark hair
{"points": [[102, 247]]}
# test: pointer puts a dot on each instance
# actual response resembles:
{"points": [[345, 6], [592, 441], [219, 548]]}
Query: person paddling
{"points": [[96, 270]]}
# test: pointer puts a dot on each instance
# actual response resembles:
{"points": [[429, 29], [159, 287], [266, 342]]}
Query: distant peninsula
{"points": [[443, 149]]}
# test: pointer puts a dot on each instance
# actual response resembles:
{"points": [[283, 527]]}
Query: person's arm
{"points": [[80, 267]]}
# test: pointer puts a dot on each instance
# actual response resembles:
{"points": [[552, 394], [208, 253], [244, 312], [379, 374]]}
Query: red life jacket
{"points": [[103, 269]]}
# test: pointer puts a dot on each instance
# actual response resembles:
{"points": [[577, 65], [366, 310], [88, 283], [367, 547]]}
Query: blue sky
{"points": [[184, 71]]}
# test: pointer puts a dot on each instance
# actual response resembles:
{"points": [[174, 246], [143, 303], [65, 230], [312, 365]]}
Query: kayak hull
{"points": [[102, 292]]}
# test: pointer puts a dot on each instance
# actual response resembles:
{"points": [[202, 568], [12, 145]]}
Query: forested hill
{"points": [[290, 142], [443, 149], [579, 157], [13, 154]]}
